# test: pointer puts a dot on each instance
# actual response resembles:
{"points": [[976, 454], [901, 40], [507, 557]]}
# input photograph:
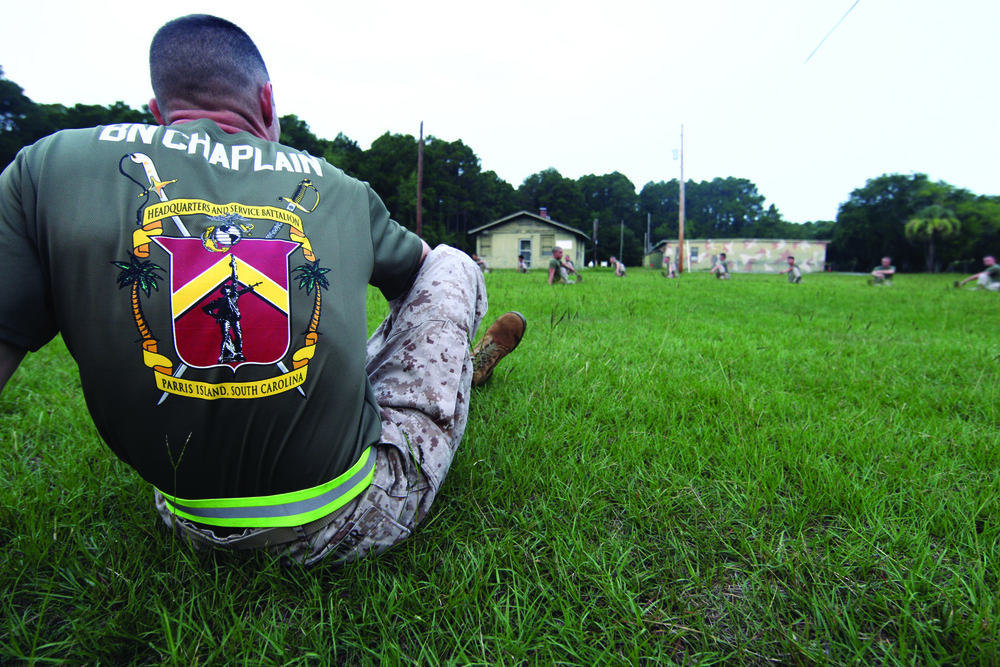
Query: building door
{"points": [[524, 248]]}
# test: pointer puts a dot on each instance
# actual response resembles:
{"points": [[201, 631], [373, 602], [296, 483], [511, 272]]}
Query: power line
{"points": [[831, 31]]}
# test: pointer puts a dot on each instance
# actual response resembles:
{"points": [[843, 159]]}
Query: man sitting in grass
{"points": [[793, 271], [481, 263], [617, 266], [570, 268], [313, 443], [721, 268], [883, 273], [558, 275], [671, 267], [989, 278]]}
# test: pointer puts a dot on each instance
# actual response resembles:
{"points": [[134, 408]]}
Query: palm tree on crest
{"points": [[312, 276], [141, 276]]}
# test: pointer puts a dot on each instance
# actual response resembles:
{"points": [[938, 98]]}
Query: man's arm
{"points": [[395, 267], [974, 276], [10, 359], [424, 251], [552, 273]]}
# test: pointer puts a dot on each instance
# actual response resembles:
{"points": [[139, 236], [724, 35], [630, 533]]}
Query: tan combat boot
{"points": [[498, 341]]}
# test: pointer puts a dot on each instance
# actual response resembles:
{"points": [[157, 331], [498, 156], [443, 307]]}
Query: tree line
{"points": [[923, 225]]}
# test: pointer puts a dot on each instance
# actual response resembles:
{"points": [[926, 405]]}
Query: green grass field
{"points": [[665, 472]]}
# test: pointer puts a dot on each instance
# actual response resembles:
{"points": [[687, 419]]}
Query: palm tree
{"points": [[312, 276], [141, 276], [932, 222]]}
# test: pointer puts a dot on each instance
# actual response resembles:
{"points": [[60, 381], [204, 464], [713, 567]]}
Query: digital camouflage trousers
{"points": [[420, 368]]}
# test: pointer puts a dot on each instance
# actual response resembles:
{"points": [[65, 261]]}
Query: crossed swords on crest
{"points": [[294, 202]]}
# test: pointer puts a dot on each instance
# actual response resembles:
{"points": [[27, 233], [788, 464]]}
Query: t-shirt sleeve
{"points": [[27, 318], [397, 251]]}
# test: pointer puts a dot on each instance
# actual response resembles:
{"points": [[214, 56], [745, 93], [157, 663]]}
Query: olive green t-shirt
{"points": [[212, 289], [993, 273]]}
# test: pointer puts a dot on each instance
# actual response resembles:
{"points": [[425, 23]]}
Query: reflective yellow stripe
{"points": [[295, 508]]}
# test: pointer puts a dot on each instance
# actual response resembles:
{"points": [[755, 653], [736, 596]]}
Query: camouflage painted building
{"points": [[529, 234], [743, 255]]}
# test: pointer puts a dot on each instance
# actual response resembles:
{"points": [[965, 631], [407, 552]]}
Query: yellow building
{"points": [[529, 234]]}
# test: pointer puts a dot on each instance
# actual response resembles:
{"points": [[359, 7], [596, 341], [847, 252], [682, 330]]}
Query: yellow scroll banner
{"points": [[210, 392], [307, 251], [156, 361], [302, 355], [166, 209], [142, 236]]}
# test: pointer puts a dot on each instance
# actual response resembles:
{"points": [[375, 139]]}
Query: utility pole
{"points": [[420, 181], [621, 242], [649, 236], [595, 243], [680, 225]]}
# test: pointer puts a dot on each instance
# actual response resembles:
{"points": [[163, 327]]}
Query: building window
{"points": [[694, 254], [548, 242], [524, 248]]}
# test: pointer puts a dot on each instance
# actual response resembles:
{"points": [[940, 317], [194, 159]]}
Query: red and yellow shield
{"points": [[233, 300]]}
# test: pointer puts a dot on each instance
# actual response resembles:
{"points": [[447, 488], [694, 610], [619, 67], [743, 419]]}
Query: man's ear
{"points": [[155, 109], [268, 112]]}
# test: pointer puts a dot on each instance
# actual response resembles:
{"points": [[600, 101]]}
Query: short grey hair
{"points": [[206, 61]]}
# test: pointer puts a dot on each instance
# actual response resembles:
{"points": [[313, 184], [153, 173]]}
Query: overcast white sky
{"points": [[594, 87]]}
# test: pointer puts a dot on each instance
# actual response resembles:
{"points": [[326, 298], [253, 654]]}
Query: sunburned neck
{"points": [[229, 121]]}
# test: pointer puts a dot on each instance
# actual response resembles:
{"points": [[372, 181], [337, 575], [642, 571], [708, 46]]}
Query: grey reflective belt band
{"points": [[296, 508], [263, 537]]}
